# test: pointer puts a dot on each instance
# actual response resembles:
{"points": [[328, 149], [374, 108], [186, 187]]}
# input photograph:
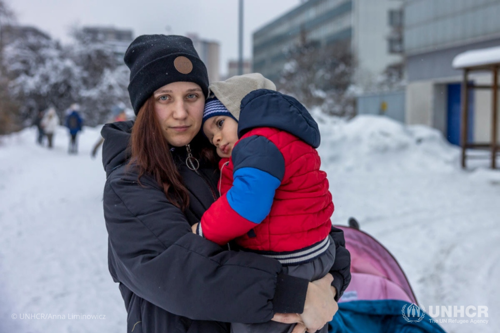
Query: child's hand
{"points": [[193, 228]]}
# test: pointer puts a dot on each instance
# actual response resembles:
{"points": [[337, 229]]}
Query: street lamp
{"points": [[240, 42]]}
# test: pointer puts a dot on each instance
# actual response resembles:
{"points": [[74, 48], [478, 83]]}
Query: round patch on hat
{"points": [[183, 65]]}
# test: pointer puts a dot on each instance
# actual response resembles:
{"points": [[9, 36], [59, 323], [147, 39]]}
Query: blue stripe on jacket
{"points": [[259, 168], [252, 194]]}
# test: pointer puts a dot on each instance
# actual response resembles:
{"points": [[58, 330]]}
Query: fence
{"points": [[390, 104]]}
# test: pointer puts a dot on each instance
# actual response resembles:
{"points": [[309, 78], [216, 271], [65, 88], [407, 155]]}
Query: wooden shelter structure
{"points": [[484, 60]]}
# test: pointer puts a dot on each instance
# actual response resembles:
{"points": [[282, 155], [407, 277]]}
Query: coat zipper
{"points": [[214, 195], [190, 163]]}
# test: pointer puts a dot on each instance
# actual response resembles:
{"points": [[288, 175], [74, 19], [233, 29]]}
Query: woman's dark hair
{"points": [[151, 154]]}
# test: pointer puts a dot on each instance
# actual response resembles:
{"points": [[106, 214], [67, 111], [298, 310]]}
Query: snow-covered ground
{"points": [[53, 240], [403, 184]]}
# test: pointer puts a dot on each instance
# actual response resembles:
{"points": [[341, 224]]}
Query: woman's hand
{"points": [[193, 228], [319, 308], [320, 305]]}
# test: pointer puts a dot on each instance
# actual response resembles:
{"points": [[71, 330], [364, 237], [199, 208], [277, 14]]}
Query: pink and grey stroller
{"points": [[379, 297]]}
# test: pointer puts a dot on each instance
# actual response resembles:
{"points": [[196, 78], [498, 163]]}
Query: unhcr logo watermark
{"points": [[412, 313], [449, 314]]}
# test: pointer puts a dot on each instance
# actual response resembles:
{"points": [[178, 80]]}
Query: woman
{"points": [[171, 279]]}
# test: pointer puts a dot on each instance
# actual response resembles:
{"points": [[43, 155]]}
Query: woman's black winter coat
{"points": [[173, 280]]}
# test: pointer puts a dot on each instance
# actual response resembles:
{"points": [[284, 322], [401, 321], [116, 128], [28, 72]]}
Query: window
{"points": [[395, 45], [395, 18]]}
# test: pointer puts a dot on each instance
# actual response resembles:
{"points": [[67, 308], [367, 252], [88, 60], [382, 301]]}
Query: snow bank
{"points": [[487, 176], [405, 186], [379, 144]]}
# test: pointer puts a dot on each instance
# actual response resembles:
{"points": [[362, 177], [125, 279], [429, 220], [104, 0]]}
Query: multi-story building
{"points": [[372, 27], [434, 33], [209, 54], [233, 67], [117, 39], [10, 33]]}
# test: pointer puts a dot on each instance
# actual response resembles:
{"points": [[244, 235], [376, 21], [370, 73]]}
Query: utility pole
{"points": [[240, 41]]}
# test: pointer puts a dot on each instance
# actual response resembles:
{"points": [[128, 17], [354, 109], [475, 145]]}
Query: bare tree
{"points": [[9, 120], [393, 77], [42, 73], [320, 75], [7, 19], [103, 81], [39, 72]]}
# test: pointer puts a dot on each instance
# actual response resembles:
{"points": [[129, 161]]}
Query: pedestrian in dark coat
{"points": [[161, 178], [38, 123], [74, 123], [118, 114]]}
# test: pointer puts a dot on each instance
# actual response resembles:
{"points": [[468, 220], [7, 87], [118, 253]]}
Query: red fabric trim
{"points": [[221, 223]]}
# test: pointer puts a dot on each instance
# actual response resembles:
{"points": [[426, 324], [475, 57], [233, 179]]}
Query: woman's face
{"points": [[179, 108]]}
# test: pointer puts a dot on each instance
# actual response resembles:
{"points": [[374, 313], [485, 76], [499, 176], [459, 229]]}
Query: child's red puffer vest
{"points": [[274, 197], [300, 215]]}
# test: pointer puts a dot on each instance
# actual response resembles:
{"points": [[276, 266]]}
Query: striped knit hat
{"points": [[226, 96], [213, 108]]}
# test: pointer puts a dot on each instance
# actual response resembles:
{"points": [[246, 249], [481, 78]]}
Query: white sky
{"points": [[211, 19]]}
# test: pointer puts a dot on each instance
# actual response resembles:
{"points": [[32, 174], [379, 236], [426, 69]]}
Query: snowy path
{"points": [[441, 224], [445, 241], [54, 241]]}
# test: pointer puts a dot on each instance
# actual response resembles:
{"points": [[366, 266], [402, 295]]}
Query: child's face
{"points": [[222, 132]]}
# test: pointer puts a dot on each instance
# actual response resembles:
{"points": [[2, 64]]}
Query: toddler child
{"points": [[274, 197]]}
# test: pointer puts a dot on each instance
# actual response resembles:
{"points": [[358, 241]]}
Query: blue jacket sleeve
{"points": [[259, 168]]}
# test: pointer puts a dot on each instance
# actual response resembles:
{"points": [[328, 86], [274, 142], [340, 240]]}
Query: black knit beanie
{"points": [[157, 60]]}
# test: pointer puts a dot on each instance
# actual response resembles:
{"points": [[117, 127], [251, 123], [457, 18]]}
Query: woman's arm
{"points": [[156, 256]]}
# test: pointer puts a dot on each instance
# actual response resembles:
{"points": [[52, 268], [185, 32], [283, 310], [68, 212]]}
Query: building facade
{"points": [[209, 52], [434, 33], [371, 27], [233, 67], [10, 33]]}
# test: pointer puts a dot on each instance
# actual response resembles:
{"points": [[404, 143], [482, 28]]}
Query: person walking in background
{"points": [[118, 112], [49, 124], [74, 124], [38, 123]]}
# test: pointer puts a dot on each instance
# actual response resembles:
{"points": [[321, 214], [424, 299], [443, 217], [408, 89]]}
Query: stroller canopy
{"points": [[379, 298], [376, 275]]}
